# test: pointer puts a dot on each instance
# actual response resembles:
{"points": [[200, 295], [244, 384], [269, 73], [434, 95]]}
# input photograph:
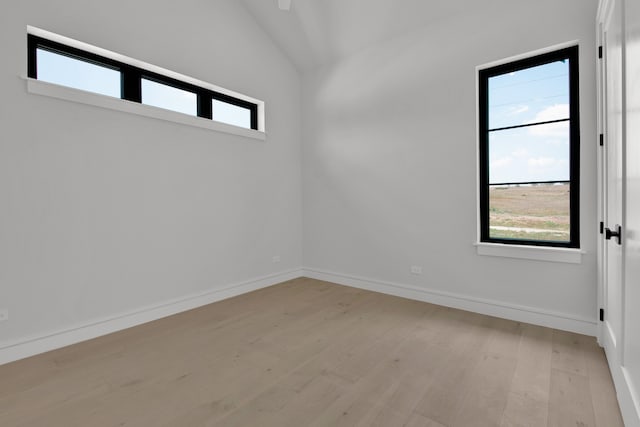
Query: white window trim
{"points": [[39, 87], [537, 253], [53, 90]]}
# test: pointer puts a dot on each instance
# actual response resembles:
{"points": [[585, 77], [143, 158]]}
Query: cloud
{"points": [[500, 163], [520, 152], [518, 110], [548, 168], [553, 112], [542, 162], [556, 132]]}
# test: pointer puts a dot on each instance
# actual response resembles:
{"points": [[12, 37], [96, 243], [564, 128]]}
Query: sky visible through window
{"points": [[67, 71], [169, 97], [231, 114], [533, 153]]}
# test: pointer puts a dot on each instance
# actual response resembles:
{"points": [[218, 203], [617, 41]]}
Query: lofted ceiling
{"points": [[317, 32]]}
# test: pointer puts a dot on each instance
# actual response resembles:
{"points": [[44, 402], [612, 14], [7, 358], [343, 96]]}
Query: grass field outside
{"points": [[531, 212]]}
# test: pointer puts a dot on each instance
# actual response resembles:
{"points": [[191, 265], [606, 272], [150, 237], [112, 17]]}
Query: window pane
{"points": [[532, 95], [231, 114], [169, 97], [530, 212], [71, 72], [529, 154]]}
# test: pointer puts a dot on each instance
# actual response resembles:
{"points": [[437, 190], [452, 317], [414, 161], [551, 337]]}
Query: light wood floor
{"points": [[311, 353]]}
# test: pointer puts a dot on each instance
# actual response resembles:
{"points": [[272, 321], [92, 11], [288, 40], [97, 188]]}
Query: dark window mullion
{"points": [[32, 60], [526, 125], [484, 156], [131, 84], [529, 183], [205, 108], [254, 117], [574, 135]]}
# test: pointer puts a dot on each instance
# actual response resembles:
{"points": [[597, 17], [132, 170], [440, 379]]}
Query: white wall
{"points": [[103, 212], [389, 161]]}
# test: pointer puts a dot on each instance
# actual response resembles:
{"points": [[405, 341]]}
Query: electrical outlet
{"points": [[416, 269], [275, 259], [4, 314]]}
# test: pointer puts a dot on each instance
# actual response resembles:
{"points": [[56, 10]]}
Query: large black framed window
{"points": [[529, 152], [65, 65]]}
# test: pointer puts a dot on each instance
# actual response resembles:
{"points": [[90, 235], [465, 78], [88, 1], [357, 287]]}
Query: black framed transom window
{"points": [[69, 66], [530, 151]]}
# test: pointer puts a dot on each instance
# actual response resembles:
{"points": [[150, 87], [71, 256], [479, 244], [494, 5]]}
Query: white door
{"points": [[619, 119], [613, 186]]}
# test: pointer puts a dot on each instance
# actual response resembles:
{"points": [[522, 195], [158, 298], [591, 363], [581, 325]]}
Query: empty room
{"points": [[320, 213]]}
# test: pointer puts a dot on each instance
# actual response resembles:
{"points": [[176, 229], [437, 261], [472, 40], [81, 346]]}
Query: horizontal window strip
{"points": [[131, 77]]}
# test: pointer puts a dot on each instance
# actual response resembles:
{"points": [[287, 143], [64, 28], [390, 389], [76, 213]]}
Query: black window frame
{"points": [[572, 54], [131, 78]]}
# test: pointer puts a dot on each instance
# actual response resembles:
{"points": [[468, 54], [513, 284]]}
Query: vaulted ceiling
{"points": [[316, 32]]}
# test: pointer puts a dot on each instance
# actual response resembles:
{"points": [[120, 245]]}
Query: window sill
{"points": [[537, 253], [80, 96]]}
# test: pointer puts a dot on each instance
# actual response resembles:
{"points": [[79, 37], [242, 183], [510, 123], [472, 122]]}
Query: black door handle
{"points": [[608, 234]]}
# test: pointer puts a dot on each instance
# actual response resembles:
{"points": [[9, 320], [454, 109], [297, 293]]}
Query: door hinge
{"points": [[600, 52], [602, 314], [601, 139], [601, 227]]}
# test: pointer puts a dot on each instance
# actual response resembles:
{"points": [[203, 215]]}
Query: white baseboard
{"points": [[629, 401], [628, 397], [31, 346], [12, 351], [500, 309]]}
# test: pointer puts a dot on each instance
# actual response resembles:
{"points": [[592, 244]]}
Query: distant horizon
{"points": [[529, 184]]}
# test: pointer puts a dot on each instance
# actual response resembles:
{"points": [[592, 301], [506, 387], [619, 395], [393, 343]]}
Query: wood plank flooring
{"points": [[312, 353]]}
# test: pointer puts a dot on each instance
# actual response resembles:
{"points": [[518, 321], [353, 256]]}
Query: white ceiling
{"points": [[317, 32]]}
